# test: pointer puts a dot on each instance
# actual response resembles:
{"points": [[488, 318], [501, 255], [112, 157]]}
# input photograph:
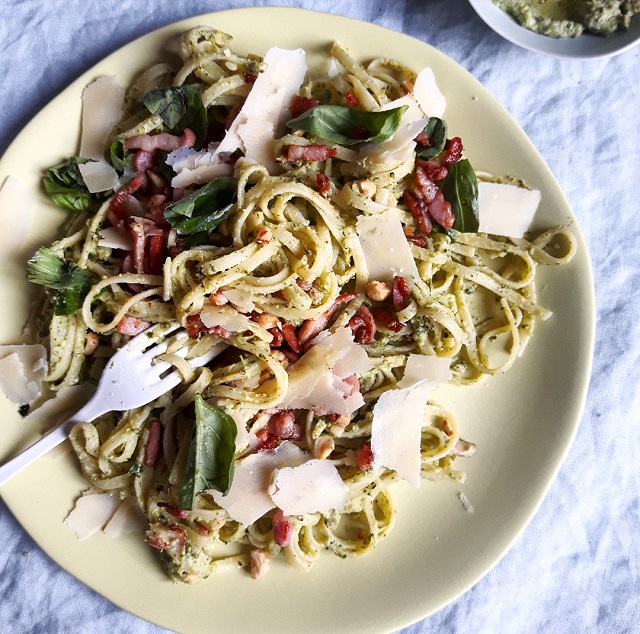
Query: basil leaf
{"points": [[120, 159], [210, 463], [67, 189], [179, 107], [460, 189], [205, 208], [70, 283], [436, 130], [346, 126]]}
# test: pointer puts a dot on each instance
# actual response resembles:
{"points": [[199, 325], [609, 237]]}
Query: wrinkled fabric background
{"points": [[576, 567]]}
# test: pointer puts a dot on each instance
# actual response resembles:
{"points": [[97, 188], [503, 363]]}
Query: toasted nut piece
{"points": [[259, 563], [280, 357], [378, 291], [342, 421], [446, 427], [264, 236], [464, 449], [267, 320], [408, 230], [367, 188], [92, 342], [218, 299], [323, 447]]}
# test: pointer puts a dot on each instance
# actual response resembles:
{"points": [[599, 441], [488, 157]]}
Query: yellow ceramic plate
{"points": [[523, 422]]}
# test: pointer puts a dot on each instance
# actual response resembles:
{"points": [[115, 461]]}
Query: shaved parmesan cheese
{"points": [[128, 519], [506, 210], [248, 498], [232, 320], [266, 109], [22, 370], [395, 431], [99, 176], [260, 121], [65, 401], [385, 247], [426, 370], [113, 239], [192, 167], [425, 90], [16, 208], [316, 379], [91, 513], [101, 109], [313, 487], [398, 417], [241, 299]]}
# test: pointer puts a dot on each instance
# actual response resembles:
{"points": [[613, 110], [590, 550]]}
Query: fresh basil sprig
{"points": [[69, 282], [436, 131], [204, 209], [346, 126], [460, 189], [210, 463], [67, 189], [179, 107]]}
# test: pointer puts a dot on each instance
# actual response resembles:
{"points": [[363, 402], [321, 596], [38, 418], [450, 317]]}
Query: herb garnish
{"points": [[346, 126], [70, 283], [210, 463]]}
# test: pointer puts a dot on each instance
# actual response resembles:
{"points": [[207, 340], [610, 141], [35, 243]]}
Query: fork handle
{"points": [[46, 443]]}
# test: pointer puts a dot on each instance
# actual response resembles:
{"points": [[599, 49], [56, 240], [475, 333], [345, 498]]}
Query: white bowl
{"points": [[583, 47]]}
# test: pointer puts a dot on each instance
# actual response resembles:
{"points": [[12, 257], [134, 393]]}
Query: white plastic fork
{"points": [[130, 379]]}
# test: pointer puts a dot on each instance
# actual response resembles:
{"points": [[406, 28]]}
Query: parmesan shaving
{"points": [[99, 176], [313, 487], [101, 109], [386, 250], [91, 513], [248, 498], [506, 210], [22, 370]]}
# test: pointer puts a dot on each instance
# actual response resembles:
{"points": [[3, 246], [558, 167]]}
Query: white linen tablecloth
{"points": [[576, 568]]}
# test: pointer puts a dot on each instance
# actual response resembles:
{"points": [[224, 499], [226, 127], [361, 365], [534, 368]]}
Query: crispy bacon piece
{"points": [[284, 426], [163, 141], [156, 254], [419, 241], [452, 151], [152, 448], [167, 537], [352, 100], [435, 171], [300, 105], [364, 457], [249, 78], [423, 139], [387, 319], [289, 334], [363, 325], [312, 327], [309, 153], [324, 186], [440, 211], [278, 337], [267, 442], [144, 160], [282, 528], [117, 212], [131, 326], [400, 291], [425, 187], [418, 209], [195, 328], [174, 510]]}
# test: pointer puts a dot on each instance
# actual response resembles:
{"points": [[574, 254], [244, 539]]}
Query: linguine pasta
{"points": [[284, 266]]}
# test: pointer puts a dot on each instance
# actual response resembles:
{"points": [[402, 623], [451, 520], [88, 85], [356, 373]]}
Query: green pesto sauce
{"points": [[571, 18]]}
